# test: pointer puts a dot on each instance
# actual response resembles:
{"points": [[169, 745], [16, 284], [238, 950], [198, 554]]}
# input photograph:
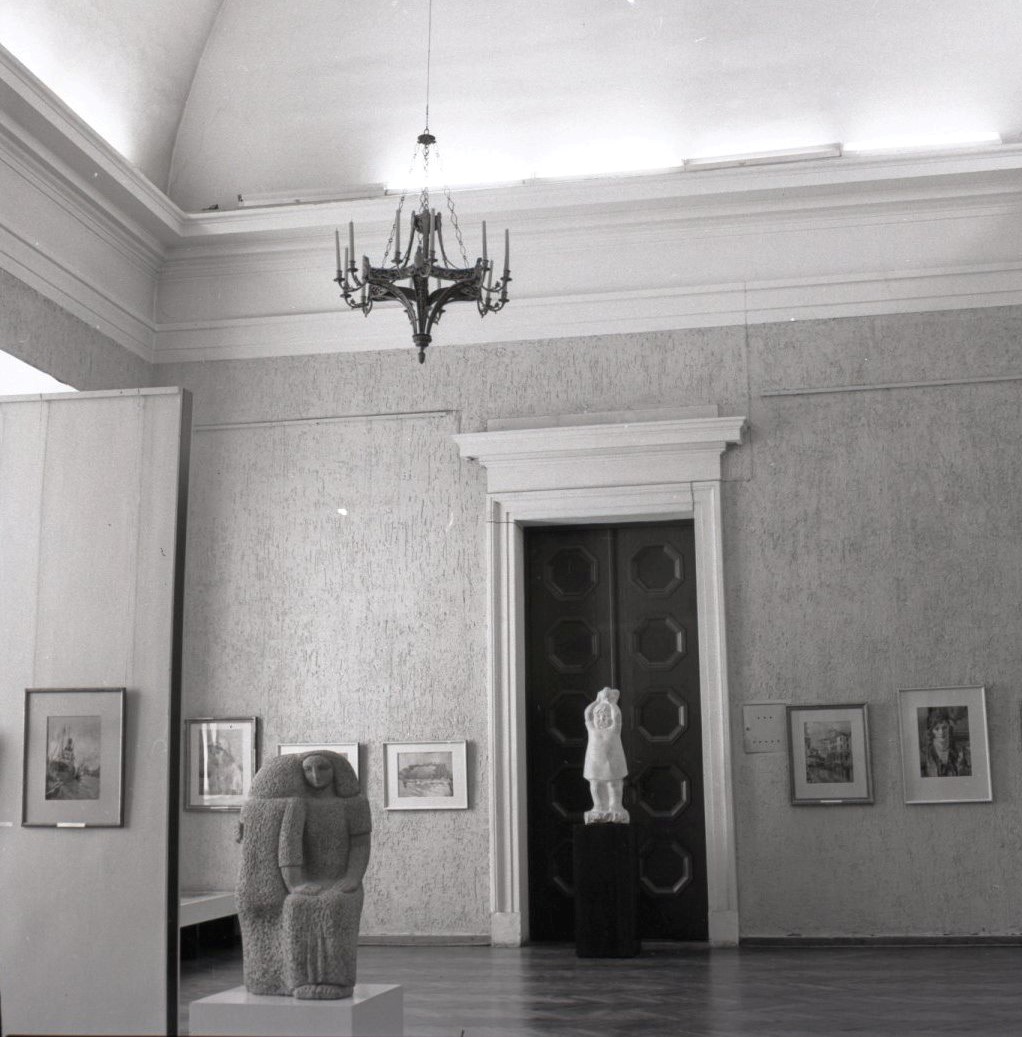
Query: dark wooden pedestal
{"points": [[606, 891]]}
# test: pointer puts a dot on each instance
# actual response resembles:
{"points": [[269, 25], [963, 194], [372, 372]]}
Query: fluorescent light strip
{"points": [[906, 145], [879, 146], [763, 158]]}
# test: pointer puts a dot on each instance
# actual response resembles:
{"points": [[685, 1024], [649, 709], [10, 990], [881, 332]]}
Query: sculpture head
{"points": [[610, 695], [286, 777], [606, 703], [318, 770]]}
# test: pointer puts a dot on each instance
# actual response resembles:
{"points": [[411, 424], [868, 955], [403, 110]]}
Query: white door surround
{"points": [[646, 466]]}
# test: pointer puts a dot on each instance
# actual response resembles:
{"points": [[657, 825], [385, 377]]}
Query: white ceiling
{"points": [[214, 99]]}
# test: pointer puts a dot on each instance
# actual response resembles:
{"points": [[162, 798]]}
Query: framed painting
{"points": [[220, 762], [425, 776], [828, 754], [945, 754], [349, 750], [73, 758]]}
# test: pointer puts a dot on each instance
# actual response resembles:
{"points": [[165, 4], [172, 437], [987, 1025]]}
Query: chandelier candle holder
{"points": [[433, 280]]}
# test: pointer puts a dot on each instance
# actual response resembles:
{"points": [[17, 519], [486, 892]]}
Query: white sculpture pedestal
{"points": [[374, 1010]]}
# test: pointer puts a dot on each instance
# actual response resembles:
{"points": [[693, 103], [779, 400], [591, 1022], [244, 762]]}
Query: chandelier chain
{"points": [[429, 55], [424, 195], [450, 209]]}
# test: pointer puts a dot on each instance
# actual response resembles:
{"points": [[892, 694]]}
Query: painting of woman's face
{"points": [[941, 734]]}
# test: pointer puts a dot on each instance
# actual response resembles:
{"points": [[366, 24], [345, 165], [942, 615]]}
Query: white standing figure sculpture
{"points": [[605, 766]]}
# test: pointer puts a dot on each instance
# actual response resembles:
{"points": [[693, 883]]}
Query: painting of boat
{"points": [[73, 757]]}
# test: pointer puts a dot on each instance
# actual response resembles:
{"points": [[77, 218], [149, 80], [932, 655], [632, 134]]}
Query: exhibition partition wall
{"points": [[92, 487]]}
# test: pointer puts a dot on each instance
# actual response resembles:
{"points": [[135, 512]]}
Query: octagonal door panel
{"points": [[616, 606]]}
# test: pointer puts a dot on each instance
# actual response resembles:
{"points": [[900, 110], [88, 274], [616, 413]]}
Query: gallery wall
{"points": [[90, 486], [871, 542], [878, 546], [36, 330]]}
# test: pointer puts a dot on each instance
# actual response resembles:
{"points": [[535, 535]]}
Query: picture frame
{"points": [[221, 755], [425, 776], [349, 750], [73, 763], [829, 755], [945, 750]]}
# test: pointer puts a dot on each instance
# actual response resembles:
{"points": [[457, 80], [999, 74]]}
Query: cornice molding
{"points": [[47, 119], [638, 311], [830, 238]]}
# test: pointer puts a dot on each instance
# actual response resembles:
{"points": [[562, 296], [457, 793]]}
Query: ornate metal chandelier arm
{"points": [[487, 289], [485, 306], [438, 300], [405, 296], [350, 292], [455, 273]]}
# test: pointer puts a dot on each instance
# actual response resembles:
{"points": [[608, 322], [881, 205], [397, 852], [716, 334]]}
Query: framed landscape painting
{"points": [[74, 758], [828, 752], [220, 762], [349, 750], [945, 755], [425, 776]]}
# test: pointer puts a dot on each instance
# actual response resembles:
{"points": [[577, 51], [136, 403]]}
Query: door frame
{"points": [[593, 469]]}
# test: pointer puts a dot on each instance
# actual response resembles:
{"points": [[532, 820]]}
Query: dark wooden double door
{"points": [[616, 606]]}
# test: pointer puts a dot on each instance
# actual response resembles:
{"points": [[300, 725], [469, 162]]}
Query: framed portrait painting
{"points": [[74, 758], [945, 754], [425, 776], [349, 750], [828, 753], [220, 762]]}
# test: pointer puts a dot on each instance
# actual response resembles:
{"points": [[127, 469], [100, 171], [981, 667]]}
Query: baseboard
{"points": [[424, 940], [976, 939]]}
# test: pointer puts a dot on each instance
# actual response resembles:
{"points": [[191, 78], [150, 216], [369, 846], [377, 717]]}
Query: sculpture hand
{"points": [[309, 888], [349, 885]]}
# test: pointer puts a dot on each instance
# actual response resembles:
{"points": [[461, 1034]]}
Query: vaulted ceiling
{"points": [[212, 99]]}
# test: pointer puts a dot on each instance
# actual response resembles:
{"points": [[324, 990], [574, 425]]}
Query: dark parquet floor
{"points": [[683, 991]]}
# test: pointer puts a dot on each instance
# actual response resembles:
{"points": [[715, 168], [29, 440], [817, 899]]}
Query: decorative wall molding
{"points": [[821, 239], [676, 466], [569, 316], [60, 234]]}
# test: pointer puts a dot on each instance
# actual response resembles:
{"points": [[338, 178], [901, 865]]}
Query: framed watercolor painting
{"points": [[425, 776], [220, 762], [828, 755], [73, 758], [945, 753]]}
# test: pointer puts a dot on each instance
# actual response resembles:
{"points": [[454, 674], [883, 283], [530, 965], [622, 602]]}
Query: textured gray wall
{"points": [[877, 546], [872, 541], [42, 334]]}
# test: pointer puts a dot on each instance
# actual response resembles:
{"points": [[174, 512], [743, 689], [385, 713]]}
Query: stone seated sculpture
{"points": [[305, 847], [605, 766]]}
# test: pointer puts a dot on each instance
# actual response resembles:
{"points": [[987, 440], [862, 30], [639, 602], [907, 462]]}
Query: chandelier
{"points": [[433, 280]]}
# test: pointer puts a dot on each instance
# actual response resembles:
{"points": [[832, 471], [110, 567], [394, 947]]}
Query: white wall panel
{"points": [[88, 539]]}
